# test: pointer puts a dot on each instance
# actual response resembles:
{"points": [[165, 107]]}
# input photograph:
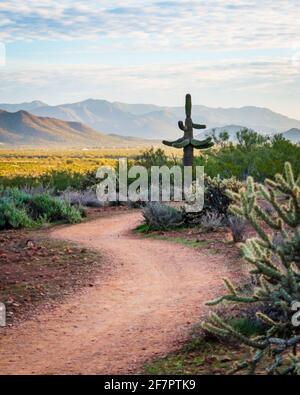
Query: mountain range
{"points": [[155, 122], [22, 128], [102, 122]]}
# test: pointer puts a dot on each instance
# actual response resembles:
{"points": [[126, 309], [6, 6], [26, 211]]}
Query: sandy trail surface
{"points": [[141, 306]]}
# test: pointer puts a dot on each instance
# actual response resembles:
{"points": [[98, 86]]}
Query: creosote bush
{"points": [[161, 216], [275, 257]]}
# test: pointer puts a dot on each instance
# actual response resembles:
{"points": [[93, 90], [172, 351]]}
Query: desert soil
{"points": [[142, 305]]}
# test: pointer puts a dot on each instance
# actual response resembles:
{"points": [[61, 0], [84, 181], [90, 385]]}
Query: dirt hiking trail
{"points": [[142, 306]]}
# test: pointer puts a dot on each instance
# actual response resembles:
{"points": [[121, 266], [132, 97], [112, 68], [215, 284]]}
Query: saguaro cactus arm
{"points": [[197, 126], [188, 105], [207, 143], [181, 126], [170, 143], [182, 144]]}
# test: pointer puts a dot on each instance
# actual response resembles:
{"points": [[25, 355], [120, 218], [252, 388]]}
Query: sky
{"points": [[225, 53]]}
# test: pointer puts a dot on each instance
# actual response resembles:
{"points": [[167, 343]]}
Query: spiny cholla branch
{"points": [[275, 256]]}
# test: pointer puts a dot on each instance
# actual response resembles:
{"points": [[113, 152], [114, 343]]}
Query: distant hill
{"points": [[157, 122], [24, 129], [34, 105], [114, 118], [262, 120], [231, 129], [292, 135]]}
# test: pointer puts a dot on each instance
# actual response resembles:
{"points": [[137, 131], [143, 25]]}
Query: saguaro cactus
{"points": [[187, 142]]}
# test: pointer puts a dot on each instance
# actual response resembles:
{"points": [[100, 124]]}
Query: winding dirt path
{"points": [[149, 296]]}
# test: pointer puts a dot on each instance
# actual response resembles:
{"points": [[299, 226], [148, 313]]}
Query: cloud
{"points": [[152, 24], [140, 82], [237, 37]]}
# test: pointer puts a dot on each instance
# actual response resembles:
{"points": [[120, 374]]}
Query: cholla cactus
{"points": [[275, 256], [187, 142], [231, 184]]}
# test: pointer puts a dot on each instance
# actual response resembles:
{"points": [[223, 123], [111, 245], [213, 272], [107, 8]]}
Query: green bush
{"points": [[13, 217], [58, 180], [20, 209], [154, 157], [260, 158], [52, 209]]}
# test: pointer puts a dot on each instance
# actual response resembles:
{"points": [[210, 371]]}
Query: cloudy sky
{"points": [[226, 53]]}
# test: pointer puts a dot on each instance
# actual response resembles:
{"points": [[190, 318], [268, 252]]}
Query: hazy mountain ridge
{"points": [[108, 117], [293, 134], [22, 106], [158, 122], [24, 128], [230, 129]]}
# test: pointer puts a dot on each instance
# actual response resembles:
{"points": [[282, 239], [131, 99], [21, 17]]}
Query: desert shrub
{"points": [[276, 265], [248, 139], [154, 157], [162, 217], [211, 221], [71, 214], [60, 180], [237, 225], [55, 180], [85, 181], [222, 139], [262, 160], [13, 217], [16, 195], [52, 209], [215, 195], [86, 198], [216, 200], [20, 209], [37, 190]]}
